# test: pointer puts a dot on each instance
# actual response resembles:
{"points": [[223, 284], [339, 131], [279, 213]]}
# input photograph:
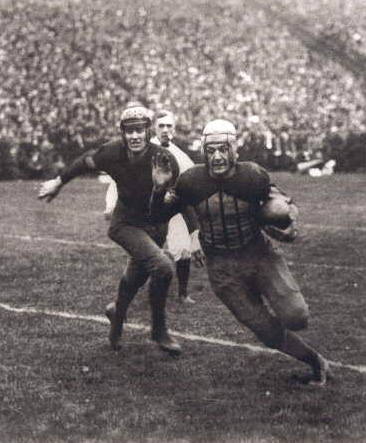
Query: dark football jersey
{"points": [[133, 179], [226, 208]]}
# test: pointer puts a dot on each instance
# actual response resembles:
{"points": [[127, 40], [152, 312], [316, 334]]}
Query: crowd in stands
{"points": [[339, 21], [69, 67]]}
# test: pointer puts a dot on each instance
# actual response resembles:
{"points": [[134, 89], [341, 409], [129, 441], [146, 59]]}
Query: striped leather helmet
{"points": [[135, 116]]}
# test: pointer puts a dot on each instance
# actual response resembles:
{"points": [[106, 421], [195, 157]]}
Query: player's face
{"points": [[136, 138], [219, 159], [165, 129]]}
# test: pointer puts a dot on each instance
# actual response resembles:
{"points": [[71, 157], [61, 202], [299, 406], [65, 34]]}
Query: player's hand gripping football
{"points": [[162, 171], [49, 189]]}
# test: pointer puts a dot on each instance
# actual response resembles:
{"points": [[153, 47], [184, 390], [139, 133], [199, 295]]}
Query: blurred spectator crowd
{"points": [[68, 67]]}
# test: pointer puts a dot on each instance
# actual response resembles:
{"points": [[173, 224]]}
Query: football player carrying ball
{"points": [[238, 211]]}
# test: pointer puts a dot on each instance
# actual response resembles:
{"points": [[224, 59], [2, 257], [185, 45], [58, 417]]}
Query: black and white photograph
{"points": [[183, 221]]}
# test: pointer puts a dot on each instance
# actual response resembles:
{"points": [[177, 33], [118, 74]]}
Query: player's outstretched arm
{"points": [[82, 165]]}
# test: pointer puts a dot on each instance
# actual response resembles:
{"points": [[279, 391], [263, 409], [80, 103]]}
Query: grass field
{"points": [[60, 382]]}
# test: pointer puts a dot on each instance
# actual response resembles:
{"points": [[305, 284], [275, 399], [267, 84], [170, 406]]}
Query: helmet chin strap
{"points": [[147, 136], [232, 153], [233, 158]]}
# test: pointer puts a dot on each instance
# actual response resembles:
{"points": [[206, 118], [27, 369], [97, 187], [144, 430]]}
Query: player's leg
{"points": [[143, 245], [294, 346], [161, 272], [276, 282], [134, 278], [179, 244], [235, 284], [182, 270]]}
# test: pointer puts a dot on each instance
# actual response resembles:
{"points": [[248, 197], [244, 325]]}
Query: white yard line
{"points": [[325, 266], [316, 227], [61, 241], [192, 337], [111, 245]]}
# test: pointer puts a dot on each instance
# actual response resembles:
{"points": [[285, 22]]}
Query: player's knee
{"points": [[164, 269], [298, 319]]}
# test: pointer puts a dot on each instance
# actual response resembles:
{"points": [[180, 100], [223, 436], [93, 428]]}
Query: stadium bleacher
{"points": [[72, 66]]}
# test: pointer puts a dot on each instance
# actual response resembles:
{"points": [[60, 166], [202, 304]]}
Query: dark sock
{"points": [[298, 349], [158, 292], [183, 270]]}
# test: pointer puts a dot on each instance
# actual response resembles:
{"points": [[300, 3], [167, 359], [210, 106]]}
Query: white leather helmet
{"points": [[219, 131]]}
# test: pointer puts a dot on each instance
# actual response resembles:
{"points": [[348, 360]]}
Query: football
{"points": [[276, 212]]}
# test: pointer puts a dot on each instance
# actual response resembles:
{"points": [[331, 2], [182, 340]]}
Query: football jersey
{"points": [[133, 179], [226, 208]]}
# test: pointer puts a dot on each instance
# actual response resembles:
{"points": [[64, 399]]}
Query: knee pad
{"points": [[164, 270], [297, 320]]}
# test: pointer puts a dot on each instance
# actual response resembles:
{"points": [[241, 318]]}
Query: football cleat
{"points": [[188, 300], [320, 373], [116, 326], [167, 343]]}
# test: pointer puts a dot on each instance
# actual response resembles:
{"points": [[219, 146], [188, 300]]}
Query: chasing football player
{"points": [[180, 243], [239, 210], [127, 160]]}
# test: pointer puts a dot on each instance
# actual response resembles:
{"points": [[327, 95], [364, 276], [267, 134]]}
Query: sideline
{"points": [[139, 327], [111, 245]]}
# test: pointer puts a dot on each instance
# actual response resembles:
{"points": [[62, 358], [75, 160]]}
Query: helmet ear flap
{"points": [[203, 150]]}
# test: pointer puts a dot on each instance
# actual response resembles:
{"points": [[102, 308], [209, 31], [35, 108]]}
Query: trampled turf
{"points": [[60, 382]]}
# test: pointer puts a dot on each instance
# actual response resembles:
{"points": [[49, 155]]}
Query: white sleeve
{"points": [[183, 160]]}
